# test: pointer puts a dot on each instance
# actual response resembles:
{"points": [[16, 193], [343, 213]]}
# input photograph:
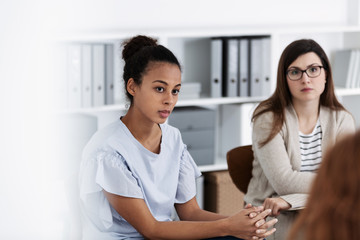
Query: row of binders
{"points": [[240, 66], [347, 68], [85, 75]]}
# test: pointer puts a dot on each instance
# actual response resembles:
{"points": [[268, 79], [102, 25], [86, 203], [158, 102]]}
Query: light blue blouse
{"points": [[115, 161]]}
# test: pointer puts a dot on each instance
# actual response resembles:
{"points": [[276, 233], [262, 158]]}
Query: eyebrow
{"points": [[313, 64], [163, 82]]}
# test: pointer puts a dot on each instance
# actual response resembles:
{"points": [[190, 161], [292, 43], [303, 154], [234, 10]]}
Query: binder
{"points": [[216, 68], [236, 127], [60, 88], [230, 67], [86, 81], [119, 88], [255, 67], [109, 74], [243, 71], [352, 68], [98, 63], [266, 67], [343, 67], [74, 76], [356, 75]]}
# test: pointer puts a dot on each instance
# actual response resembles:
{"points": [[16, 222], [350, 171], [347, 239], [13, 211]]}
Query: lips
{"points": [[306, 89], [164, 113]]}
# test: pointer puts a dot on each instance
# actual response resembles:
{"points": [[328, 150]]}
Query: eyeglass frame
{"points": [[302, 72]]}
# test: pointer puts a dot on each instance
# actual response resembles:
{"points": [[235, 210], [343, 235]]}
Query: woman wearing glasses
{"points": [[292, 129]]}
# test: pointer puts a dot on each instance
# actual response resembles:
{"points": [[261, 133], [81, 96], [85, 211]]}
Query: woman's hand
{"points": [[243, 226], [276, 205]]}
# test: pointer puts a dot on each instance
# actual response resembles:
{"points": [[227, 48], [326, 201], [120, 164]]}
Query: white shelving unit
{"points": [[192, 47]]}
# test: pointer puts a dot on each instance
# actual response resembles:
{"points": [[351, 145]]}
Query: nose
{"points": [[169, 98], [305, 78]]}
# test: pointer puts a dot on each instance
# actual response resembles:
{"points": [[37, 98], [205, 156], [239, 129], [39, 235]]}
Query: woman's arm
{"points": [[275, 162], [190, 211], [136, 212]]}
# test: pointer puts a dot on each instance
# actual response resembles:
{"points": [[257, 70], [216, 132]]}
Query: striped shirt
{"points": [[310, 149]]}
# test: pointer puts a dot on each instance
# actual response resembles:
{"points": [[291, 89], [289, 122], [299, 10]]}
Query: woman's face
{"points": [[157, 95], [307, 89]]}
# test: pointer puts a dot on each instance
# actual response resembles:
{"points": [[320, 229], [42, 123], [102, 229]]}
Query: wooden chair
{"points": [[239, 162]]}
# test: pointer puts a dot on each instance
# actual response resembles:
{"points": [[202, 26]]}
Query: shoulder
{"points": [[335, 115], [170, 131], [100, 139], [340, 121], [264, 117]]}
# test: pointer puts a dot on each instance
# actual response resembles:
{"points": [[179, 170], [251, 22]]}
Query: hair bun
{"points": [[133, 45]]}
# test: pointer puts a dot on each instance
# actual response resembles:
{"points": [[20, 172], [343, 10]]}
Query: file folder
{"points": [[255, 67], [244, 58], [60, 88], [216, 68], [98, 61], [266, 67], [230, 68], [356, 75], [74, 76], [342, 68], [109, 74], [86, 81]]}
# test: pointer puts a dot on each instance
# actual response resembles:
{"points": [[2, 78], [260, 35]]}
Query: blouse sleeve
{"points": [[107, 170], [188, 173], [114, 175], [296, 200]]}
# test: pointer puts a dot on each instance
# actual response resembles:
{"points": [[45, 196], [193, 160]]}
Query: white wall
{"points": [[26, 28], [115, 14]]}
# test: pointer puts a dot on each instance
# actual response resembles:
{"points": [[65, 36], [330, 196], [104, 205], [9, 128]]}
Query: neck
{"points": [[307, 114], [148, 133]]}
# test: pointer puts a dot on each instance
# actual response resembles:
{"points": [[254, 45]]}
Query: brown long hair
{"points": [[333, 207], [281, 98]]}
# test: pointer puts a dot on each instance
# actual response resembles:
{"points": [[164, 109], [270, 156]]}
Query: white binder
{"points": [[243, 67], [256, 67], [74, 76], [119, 88], [60, 88], [216, 68], [109, 74], [266, 67], [230, 83], [236, 127], [98, 61], [86, 81], [356, 74], [343, 67]]}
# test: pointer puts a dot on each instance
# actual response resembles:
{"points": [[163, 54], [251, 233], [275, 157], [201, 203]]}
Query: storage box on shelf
{"points": [[197, 127]]}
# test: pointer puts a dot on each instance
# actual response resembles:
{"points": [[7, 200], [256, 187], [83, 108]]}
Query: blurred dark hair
{"points": [[333, 209]]}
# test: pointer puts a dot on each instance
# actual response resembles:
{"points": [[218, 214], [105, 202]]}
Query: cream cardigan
{"points": [[276, 165]]}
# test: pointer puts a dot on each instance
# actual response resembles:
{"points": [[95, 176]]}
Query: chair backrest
{"points": [[239, 162]]}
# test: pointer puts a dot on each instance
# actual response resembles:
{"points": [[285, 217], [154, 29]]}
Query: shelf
{"points": [[347, 91], [219, 165], [217, 101], [180, 103], [213, 167]]}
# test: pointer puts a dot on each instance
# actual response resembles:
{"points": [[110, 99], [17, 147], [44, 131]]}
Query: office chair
{"points": [[239, 162]]}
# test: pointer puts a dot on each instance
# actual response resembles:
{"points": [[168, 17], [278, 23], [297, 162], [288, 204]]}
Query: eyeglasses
{"points": [[295, 74]]}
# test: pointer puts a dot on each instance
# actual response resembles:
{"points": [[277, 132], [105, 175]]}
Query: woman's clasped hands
{"points": [[252, 222]]}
